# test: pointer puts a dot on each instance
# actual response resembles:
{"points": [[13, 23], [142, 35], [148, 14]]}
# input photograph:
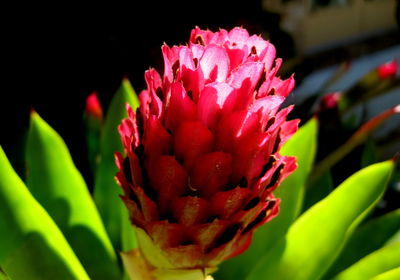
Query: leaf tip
{"points": [[396, 158]]}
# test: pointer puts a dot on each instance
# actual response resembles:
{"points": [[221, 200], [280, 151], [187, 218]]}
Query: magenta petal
{"points": [[224, 204], [211, 173], [153, 81], [233, 126], [288, 129], [168, 178], [267, 56], [119, 160], [267, 106], [250, 71], [156, 140], [179, 107], [283, 88], [186, 58], [191, 76], [134, 170], [236, 56], [258, 45], [238, 36], [197, 51], [245, 79], [192, 139], [215, 64], [147, 206], [250, 155], [202, 154], [170, 55], [215, 99], [199, 36], [129, 133], [266, 88]]}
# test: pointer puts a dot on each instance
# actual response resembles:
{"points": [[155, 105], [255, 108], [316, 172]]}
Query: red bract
{"points": [[202, 151], [388, 69], [93, 107]]}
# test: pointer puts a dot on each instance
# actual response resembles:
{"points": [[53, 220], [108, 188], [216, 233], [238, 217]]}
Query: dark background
{"points": [[53, 58]]}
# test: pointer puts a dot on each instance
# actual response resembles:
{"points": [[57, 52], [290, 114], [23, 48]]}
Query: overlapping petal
{"points": [[202, 152]]}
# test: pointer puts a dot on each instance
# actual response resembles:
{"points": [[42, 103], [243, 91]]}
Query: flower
{"points": [[387, 70], [93, 108], [202, 151]]}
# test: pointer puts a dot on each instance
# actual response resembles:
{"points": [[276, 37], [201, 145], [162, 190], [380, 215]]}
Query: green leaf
{"points": [[393, 274], [32, 246], [128, 233], [380, 261], [129, 240], [58, 186], [3, 275], [291, 191], [394, 238], [315, 239], [106, 190], [366, 239]]}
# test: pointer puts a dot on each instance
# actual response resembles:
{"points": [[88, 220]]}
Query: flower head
{"points": [[202, 151], [388, 69], [93, 108]]}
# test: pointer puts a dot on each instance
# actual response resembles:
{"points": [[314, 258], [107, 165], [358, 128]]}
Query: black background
{"points": [[54, 57]]}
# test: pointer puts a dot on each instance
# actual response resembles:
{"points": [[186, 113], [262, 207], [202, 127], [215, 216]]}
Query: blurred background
{"points": [[53, 59]]}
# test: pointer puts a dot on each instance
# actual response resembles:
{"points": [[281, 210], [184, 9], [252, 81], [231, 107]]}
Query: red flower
{"points": [[202, 151], [93, 107], [388, 69]]}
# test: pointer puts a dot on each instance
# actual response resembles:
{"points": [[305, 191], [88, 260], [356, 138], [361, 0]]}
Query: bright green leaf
{"points": [[3, 275], [32, 246], [106, 190], [366, 239], [394, 238], [128, 233], [315, 239], [393, 274], [58, 186], [380, 261], [129, 241], [291, 191]]}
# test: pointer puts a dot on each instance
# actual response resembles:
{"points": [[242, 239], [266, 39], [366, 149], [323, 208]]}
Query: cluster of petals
{"points": [[202, 150]]}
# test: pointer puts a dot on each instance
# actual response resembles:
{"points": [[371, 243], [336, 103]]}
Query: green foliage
{"points": [[367, 238], [380, 261], [54, 229], [106, 190], [58, 186], [32, 246], [303, 146], [393, 274], [315, 239]]}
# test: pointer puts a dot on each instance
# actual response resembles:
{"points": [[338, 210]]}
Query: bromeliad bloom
{"points": [[202, 151]]}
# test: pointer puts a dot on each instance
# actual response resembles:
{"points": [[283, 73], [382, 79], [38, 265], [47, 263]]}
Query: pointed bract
{"points": [[202, 151]]}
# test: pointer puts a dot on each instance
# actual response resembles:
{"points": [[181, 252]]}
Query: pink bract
{"points": [[202, 151]]}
